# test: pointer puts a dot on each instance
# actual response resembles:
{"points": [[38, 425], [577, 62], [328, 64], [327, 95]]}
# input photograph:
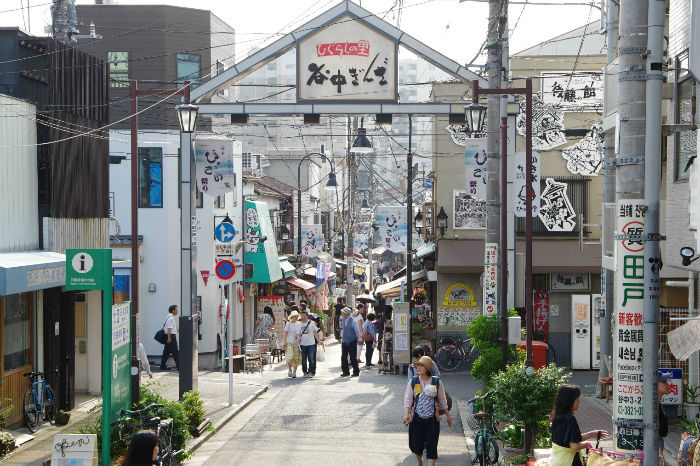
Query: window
{"points": [[685, 141], [187, 69], [272, 66], [150, 177], [577, 192], [118, 69], [220, 202], [17, 335]]}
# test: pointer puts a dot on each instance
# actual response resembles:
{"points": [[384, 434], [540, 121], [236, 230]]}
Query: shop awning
{"points": [[425, 250], [393, 288], [311, 271], [460, 256], [287, 268], [378, 251], [299, 283], [25, 271]]}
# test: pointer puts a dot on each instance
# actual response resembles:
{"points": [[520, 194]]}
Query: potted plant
{"points": [[691, 401]]}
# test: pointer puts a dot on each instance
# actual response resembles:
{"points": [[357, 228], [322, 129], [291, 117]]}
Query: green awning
{"points": [[287, 268], [425, 250], [260, 246]]}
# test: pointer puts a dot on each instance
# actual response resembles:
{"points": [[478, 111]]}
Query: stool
{"points": [[237, 362], [605, 387], [278, 353]]}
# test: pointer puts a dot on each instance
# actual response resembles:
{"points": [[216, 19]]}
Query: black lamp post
{"points": [[418, 222], [330, 185], [187, 115], [442, 222]]}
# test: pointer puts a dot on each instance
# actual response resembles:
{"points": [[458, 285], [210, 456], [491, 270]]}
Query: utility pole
{"points": [[493, 68], [652, 186], [409, 232], [503, 240], [350, 225], [608, 193], [629, 412]]}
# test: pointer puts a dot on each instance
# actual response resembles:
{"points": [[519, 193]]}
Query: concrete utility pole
{"points": [[629, 185], [503, 240], [608, 192], [493, 67], [350, 225], [409, 232], [652, 187]]}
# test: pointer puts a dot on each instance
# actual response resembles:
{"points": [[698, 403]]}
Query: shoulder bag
{"points": [[160, 335]]}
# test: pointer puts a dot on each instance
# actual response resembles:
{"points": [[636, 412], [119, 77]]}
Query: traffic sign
{"points": [[225, 232], [225, 269]]}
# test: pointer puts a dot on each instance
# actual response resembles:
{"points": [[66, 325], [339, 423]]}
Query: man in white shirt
{"points": [[170, 347], [307, 329]]}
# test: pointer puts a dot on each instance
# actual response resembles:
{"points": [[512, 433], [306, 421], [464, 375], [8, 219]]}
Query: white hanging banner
{"points": [[586, 156], [311, 240], [393, 228], [490, 297], [557, 213], [214, 161], [519, 185], [346, 60], [475, 162]]}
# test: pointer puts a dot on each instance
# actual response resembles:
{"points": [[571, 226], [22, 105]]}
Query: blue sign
{"points": [[224, 232], [225, 269]]}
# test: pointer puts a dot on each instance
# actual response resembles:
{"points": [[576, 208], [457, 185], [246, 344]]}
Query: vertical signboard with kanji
{"points": [[519, 185], [541, 315], [311, 240], [628, 339], [393, 229], [346, 60], [475, 167], [490, 293]]}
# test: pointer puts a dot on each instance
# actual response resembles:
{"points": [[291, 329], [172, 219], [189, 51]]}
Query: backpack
{"points": [[415, 383]]}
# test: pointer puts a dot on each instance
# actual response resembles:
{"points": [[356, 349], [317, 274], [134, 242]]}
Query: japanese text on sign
{"points": [[520, 186], [475, 167], [490, 297]]}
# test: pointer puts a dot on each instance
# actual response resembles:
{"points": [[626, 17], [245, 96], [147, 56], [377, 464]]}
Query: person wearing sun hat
{"points": [[348, 342], [292, 334], [424, 394]]}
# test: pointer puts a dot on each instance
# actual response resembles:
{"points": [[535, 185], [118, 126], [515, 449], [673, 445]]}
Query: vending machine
{"points": [[595, 332], [581, 331]]}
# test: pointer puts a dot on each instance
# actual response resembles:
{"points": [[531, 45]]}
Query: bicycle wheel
{"points": [[491, 451], [165, 448], [448, 359], [49, 405], [31, 414], [472, 355]]}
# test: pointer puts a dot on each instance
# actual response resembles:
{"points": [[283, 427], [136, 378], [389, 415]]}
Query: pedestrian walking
{"points": [[336, 320], [307, 342], [351, 333], [662, 379], [357, 317], [417, 353], [263, 327], [291, 338], [424, 394], [320, 347], [143, 449], [369, 335], [170, 347], [567, 439]]}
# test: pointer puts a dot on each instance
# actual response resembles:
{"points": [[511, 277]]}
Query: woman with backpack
{"points": [[424, 397]]}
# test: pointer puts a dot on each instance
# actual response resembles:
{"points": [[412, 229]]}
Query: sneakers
{"points": [[370, 364], [294, 375], [306, 376], [345, 375], [356, 375], [289, 373]]}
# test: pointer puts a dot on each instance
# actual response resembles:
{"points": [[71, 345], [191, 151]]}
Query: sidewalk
{"points": [[213, 388]]}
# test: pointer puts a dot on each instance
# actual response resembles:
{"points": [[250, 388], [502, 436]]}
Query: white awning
{"points": [[25, 271], [393, 288]]}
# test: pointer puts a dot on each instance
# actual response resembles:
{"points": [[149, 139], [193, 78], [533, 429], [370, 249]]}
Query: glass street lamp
{"points": [[442, 221], [187, 115], [332, 183], [418, 222], [362, 144], [365, 204], [284, 233], [474, 116]]}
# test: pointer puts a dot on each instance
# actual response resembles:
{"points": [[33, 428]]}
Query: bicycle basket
{"points": [[473, 423]]}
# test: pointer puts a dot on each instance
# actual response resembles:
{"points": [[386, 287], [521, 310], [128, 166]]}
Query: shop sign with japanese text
{"points": [[347, 60], [675, 387], [214, 161], [541, 315], [519, 185], [628, 338], [490, 292], [393, 229], [475, 162], [571, 92], [311, 240]]}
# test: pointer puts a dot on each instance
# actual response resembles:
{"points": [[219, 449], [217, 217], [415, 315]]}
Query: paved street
{"points": [[329, 419]]}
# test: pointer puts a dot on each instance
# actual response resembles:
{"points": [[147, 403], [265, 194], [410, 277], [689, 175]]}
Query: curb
{"points": [[196, 443], [462, 406]]}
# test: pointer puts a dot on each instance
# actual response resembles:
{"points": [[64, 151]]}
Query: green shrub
{"points": [[4, 410], [171, 410], [7, 443], [513, 435], [194, 409], [485, 332], [487, 364], [520, 459]]}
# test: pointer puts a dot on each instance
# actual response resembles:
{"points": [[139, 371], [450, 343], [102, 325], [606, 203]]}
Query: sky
{"points": [[455, 29]]}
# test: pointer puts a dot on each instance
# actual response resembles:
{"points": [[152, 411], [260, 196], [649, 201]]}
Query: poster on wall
{"points": [[346, 60], [629, 307], [586, 156], [401, 338], [569, 282], [468, 213], [393, 229], [547, 125], [214, 166], [519, 185], [557, 213], [311, 240], [457, 317], [541, 315], [475, 167], [490, 300]]}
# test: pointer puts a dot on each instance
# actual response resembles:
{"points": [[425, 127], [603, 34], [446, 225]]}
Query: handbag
{"points": [[160, 335], [320, 354]]}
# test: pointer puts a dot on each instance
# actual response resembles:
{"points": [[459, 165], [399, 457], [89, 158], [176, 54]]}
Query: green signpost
{"points": [[91, 269]]}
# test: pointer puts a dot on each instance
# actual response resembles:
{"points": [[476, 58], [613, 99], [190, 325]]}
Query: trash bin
{"points": [[539, 352]]}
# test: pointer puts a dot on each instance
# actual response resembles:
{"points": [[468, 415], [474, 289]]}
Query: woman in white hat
{"points": [[291, 336]]}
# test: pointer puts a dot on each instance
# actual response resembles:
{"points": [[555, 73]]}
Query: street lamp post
{"points": [[187, 116], [330, 186]]}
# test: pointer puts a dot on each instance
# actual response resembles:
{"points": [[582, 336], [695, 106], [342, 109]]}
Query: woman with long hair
{"points": [[265, 323], [567, 439], [143, 450]]}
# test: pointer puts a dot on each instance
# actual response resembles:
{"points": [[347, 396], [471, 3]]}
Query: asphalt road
{"points": [[330, 420]]}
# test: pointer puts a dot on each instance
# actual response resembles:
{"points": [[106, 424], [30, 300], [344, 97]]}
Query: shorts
{"points": [[423, 434]]}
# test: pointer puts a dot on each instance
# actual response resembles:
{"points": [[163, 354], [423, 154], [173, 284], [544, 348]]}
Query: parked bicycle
{"points": [[485, 444], [131, 421], [39, 402], [455, 352]]}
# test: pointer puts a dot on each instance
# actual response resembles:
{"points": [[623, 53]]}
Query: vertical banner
{"points": [[475, 168], [628, 339], [260, 247], [393, 228], [311, 240], [519, 185], [541, 315], [491, 279], [323, 269], [214, 161]]}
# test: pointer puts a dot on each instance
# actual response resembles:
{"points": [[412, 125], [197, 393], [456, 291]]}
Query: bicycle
{"points": [[131, 421], [39, 402], [485, 445], [454, 352]]}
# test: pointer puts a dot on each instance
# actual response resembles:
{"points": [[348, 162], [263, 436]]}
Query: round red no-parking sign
{"points": [[225, 269]]}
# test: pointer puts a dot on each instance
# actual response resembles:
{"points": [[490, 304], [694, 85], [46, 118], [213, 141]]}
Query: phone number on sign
{"points": [[630, 410]]}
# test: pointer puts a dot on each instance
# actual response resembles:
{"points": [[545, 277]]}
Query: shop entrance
{"points": [[16, 351], [59, 344]]}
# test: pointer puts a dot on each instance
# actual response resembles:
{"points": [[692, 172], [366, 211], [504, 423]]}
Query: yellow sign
{"points": [[459, 295]]}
